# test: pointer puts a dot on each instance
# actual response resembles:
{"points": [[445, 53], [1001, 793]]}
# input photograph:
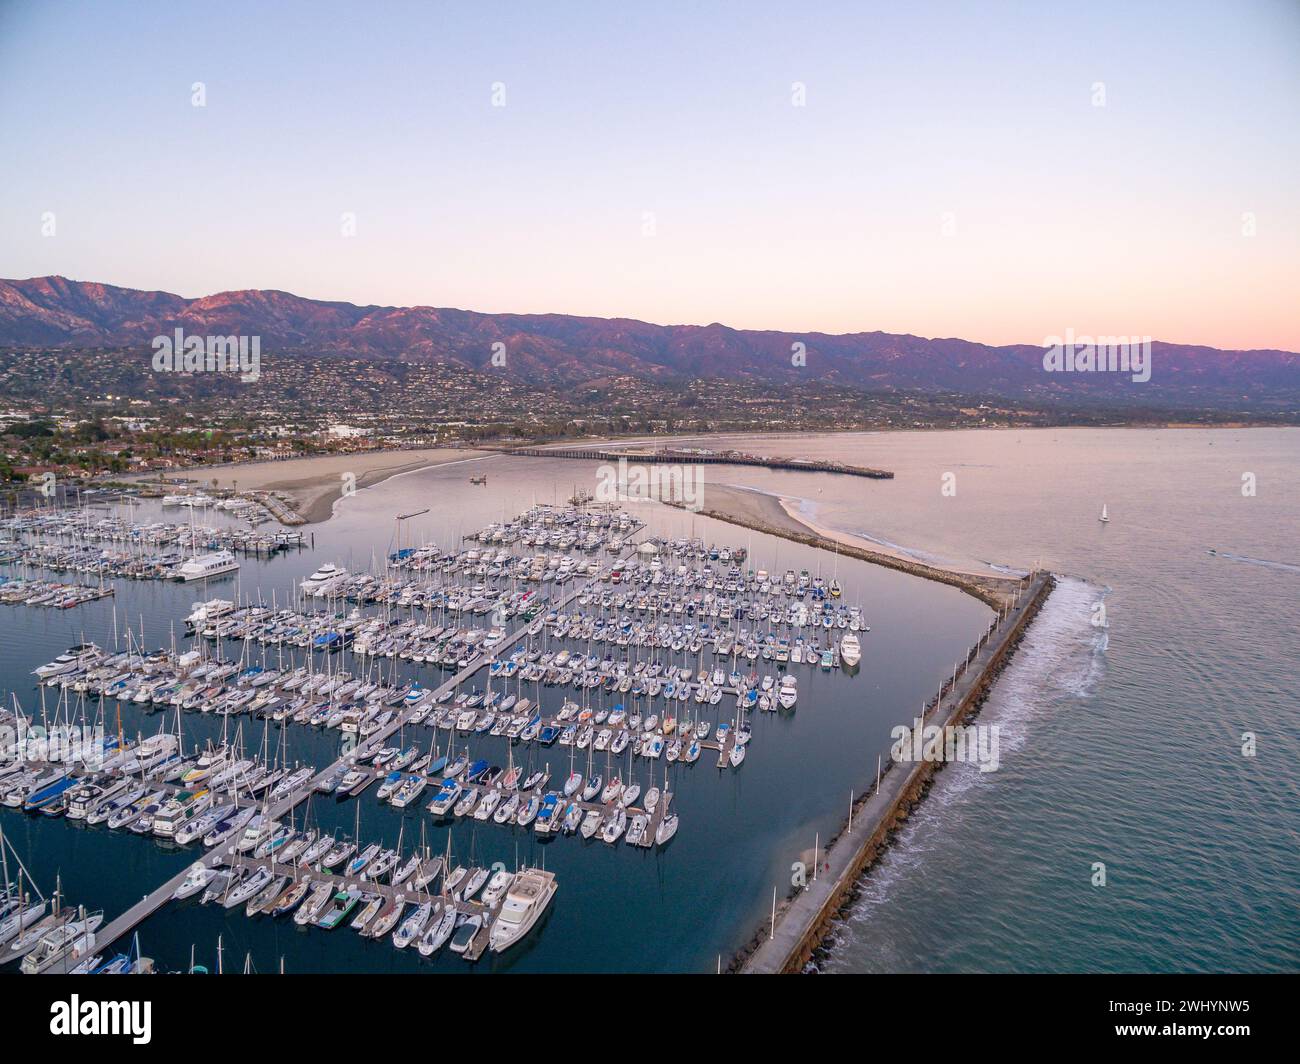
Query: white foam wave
{"points": [[1062, 659]]}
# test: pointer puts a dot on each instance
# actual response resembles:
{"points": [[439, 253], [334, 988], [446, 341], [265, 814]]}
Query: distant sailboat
{"points": [[1103, 518]]}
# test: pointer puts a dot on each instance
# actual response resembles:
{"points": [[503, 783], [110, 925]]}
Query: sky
{"points": [[1000, 172]]}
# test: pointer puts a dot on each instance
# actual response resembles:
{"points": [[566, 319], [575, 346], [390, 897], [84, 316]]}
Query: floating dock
{"points": [[151, 903]]}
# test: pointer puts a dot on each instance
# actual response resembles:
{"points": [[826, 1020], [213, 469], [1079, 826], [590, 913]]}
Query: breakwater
{"points": [[699, 457], [799, 926]]}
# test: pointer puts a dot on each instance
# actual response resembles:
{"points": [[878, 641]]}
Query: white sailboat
{"points": [[1104, 518]]}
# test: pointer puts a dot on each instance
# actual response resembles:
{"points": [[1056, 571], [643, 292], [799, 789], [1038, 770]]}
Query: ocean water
{"points": [[1120, 745]]}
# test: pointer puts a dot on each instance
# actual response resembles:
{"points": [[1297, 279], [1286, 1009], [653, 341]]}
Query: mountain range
{"points": [[55, 312]]}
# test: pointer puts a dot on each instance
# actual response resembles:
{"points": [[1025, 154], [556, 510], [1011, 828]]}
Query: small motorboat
{"points": [[465, 932]]}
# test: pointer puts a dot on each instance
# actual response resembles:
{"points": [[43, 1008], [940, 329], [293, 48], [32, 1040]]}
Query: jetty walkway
{"points": [[700, 457], [799, 928]]}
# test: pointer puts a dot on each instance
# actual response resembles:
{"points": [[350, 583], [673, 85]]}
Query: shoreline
{"points": [[771, 515], [318, 482]]}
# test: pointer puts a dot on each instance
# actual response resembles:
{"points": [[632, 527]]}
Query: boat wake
{"points": [[1060, 663], [1288, 566]]}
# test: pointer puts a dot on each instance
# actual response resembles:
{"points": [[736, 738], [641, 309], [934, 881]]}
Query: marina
{"points": [[602, 665], [75, 540], [51, 593], [35, 790]]}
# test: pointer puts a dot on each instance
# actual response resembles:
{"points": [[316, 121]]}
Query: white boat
{"points": [[436, 937], [495, 888], [179, 810], [197, 879], [203, 612], [473, 882], [850, 649], [525, 901], [316, 901], [229, 827], [72, 660], [1104, 518], [64, 946], [246, 888], [615, 826], [409, 791], [202, 566], [667, 829], [466, 929], [322, 577], [21, 918], [413, 926]]}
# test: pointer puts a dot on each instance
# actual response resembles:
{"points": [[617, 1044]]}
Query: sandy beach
{"points": [[779, 516], [316, 483]]}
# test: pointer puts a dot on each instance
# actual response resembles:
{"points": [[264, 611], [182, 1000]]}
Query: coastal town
{"points": [[87, 416]]}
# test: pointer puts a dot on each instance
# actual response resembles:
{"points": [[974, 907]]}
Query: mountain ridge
{"points": [[55, 311]]}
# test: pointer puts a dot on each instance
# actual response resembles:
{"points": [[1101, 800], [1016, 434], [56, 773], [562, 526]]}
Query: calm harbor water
{"points": [[1119, 745], [675, 909]]}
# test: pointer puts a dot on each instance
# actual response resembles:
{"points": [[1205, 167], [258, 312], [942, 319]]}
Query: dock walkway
{"points": [[151, 903]]}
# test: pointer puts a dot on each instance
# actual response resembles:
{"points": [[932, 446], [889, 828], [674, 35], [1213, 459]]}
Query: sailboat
{"points": [[18, 911], [1104, 519]]}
